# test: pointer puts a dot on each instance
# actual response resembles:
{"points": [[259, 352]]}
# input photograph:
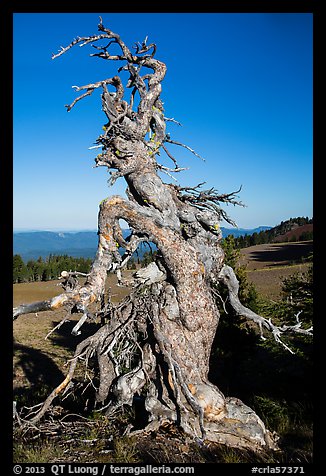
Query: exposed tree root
{"points": [[135, 359]]}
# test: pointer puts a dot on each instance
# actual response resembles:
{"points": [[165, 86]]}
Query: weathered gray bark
{"points": [[163, 332]]}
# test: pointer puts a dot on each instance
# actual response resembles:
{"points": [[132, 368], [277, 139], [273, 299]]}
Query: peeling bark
{"points": [[156, 344]]}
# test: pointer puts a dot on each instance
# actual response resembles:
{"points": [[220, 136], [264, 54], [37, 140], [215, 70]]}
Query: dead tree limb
{"points": [[228, 277]]}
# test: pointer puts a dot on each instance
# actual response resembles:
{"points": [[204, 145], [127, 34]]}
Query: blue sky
{"points": [[240, 84]]}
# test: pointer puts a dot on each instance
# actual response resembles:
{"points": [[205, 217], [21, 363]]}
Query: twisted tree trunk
{"points": [[156, 344]]}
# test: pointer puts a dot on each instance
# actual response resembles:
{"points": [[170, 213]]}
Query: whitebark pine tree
{"points": [[157, 342]]}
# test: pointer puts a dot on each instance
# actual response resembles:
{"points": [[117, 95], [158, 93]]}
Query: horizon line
{"points": [[79, 230]]}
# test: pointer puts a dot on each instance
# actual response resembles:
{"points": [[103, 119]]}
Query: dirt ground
{"points": [[268, 265], [30, 292], [274, 255], [41, 363], [32, 350]]}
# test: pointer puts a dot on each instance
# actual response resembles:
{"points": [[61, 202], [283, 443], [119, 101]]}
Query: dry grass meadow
{"points": [[38, 359], [267, 265], [40, 364]]}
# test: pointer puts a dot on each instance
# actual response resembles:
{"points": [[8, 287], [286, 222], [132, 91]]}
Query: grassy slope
{"points": [[40, 362], [267, 265], [39, 365]]}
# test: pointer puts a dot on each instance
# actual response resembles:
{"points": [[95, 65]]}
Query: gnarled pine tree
{"points": [[157, 342]]}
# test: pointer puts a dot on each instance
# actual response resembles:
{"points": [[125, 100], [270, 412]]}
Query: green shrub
{"points": [[274, 413]]}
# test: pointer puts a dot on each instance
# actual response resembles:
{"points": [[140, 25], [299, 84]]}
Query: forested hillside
{"points": [[34, 244], [294, 229], [47, 265], [47, 269]]}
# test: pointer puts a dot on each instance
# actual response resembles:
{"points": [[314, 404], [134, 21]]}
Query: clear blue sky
{"points": [[240, 84]]}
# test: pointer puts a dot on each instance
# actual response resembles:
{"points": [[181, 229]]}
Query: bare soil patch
{"points": [[295, 232], [40, 363], [275, 254], [268, 265]]}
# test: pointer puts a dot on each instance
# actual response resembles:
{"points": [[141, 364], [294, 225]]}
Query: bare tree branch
{"points": [[208, 199], [228, 277], [170, 141]]}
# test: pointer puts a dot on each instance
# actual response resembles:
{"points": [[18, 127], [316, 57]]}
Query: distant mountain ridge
{"points": [[294, 229], [33, 244], [242, 231]]}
